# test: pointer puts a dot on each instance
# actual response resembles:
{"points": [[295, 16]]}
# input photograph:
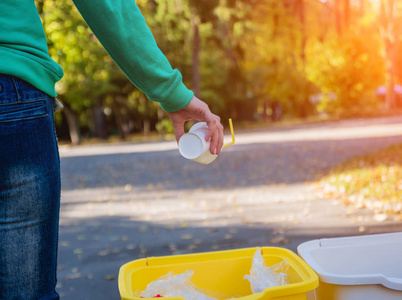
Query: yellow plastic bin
{"points": [[220, 274]]}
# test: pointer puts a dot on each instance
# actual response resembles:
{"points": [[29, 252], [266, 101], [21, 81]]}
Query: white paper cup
{"points": [[193, 145]]}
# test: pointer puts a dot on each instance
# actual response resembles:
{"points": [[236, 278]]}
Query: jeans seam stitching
{"points": [[23, 119], [29, 101], [25, 109]]}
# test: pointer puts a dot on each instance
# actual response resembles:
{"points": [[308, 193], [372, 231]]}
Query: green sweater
{"points": [[121, 29]]}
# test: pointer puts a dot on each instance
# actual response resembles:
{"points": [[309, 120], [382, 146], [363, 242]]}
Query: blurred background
{"points": [[314, 90], [252, 60]]}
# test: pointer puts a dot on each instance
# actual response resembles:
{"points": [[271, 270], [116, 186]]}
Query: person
{"points": [[29, 159]]}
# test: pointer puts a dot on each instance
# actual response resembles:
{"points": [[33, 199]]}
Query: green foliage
{"points": [[253, 54], [351, 68], [71, 44], [164, 126]]}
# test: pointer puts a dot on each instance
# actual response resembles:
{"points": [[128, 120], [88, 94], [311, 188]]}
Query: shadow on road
{"points": [[91, 251]]}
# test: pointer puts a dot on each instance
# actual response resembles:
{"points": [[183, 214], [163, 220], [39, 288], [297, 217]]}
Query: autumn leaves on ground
{"points": [[373, 180], [274, 187]]}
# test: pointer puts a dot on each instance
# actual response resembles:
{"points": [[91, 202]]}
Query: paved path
{"points": [[125, 201]]}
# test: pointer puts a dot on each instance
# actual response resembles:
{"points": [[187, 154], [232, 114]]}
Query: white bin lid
{"points": [[371, 259]]}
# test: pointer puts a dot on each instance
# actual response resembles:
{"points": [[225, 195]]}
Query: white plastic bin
{"points": [[356, 268]]}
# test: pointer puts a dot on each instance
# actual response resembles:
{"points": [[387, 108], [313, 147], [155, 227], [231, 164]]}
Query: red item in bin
{"points": [[157, 296]]}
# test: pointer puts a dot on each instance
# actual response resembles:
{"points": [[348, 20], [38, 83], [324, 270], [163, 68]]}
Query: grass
{"points": [[373, 180]]}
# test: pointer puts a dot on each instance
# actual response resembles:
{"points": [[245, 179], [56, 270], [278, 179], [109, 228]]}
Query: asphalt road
{"points": [[121, 202]]}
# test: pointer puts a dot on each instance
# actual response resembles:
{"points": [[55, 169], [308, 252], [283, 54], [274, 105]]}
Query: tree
{"points": [[390, 31]]}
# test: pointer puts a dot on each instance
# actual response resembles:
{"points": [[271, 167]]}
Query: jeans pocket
{"points": [[20, 111]]}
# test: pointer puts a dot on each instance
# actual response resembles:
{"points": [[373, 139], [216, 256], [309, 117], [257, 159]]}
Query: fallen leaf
{"points": [[77, 251], [380, 217], [186, 237], [172, 247], [282, 240], [228, 236], [103, 252], [131, 247], [115, 238], [73, 276], [362, 229], [192, 247], [183, 225], [143, 228], [278, 231], [81, 237]]}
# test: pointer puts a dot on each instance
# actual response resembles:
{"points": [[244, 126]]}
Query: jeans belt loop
{"points": [[16, 88]]}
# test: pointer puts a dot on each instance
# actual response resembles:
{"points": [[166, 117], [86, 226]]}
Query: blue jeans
{"points": [[29, 193]]}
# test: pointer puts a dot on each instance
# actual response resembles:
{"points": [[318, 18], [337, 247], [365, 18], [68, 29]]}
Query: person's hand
{"points": [[199, 111]]}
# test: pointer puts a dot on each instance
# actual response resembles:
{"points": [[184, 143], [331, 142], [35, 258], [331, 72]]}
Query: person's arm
{"points": [[122, 31]]}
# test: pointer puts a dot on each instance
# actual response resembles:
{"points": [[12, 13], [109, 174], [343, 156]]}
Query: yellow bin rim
{"points": [[309, 278]]}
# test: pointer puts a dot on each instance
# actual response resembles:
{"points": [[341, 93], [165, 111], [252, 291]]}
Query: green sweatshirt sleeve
{"points": [[121, 29]]}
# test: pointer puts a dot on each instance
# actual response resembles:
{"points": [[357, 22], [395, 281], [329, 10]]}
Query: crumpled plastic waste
{"points": [[262, 277], [175, 286]]}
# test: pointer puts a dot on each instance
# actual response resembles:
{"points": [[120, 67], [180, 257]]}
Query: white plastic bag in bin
{"points": [[262, 277], [175, 286]]}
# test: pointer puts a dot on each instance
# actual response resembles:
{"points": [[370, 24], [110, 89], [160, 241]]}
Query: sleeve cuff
{"points": [[178, 99]]}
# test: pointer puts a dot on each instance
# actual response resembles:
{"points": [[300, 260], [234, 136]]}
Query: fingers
{"points": [[178, 131], [215, 135], [220, 141]]}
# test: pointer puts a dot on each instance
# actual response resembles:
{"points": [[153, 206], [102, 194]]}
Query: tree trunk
{"points": [[303, 29], [118, 117], [147, 121], [389, 33], [196, 53], [346, 9], [39, 7], [161, 115], [99, 120], [338, 17], [72, 125], [300, 10]]}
